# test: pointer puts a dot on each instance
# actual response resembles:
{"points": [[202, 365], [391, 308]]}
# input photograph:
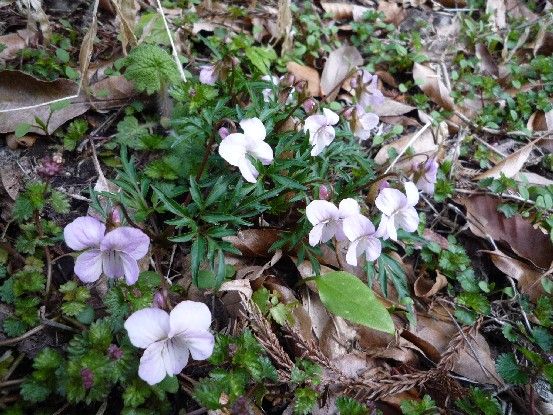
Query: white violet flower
{"points": [[237, 147], [169, 338], [362, 123], [363, 237], [327, 219], [398, 210], [321, 130]]}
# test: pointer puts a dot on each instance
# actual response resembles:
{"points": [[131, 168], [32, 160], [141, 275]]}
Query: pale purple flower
{"points": [[327, 219], [363, 123], [369, 95], [169, 338], [268, 94], [208, 75], [115, 253], [363, 237], [426, 175], [223, 132], [321, 130], [237, 147], [324, 192], [398, 210]]}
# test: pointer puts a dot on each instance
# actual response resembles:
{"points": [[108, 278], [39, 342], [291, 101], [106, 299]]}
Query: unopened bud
{"points": [[353, 83], [301, 87], [50, 166], [348, 113], [223, 132], [87, 377], [116, 216], [324, 192], [309, 105], [288, 80], [159, 300], [115, 352]]}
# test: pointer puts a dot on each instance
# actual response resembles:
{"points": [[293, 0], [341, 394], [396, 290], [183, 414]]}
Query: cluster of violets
{"points": [[168, 338], [346, 222]]}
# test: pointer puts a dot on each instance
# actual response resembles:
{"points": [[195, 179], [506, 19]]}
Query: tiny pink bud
{"points": [[353, 83], [159, 300], [348, 113], [383, 185], [87, 377], [324, 192], [288, 80], [115, 352], [116, 216], [301, 87], [309, 105], [223, 132]]}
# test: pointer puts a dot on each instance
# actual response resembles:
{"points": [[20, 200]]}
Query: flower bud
{"points": [[301, 87], [348, 113], [116, 216], [288, 80], [87, 377], [309, 106], [353, 83], [324, 192], [159, 300], [50, 166], [223, 132], [115, 352]]}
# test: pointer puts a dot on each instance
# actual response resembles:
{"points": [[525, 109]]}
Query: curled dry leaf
{"points": [[14, 42], [87, 45], [11, 178], [392, 107], [393, 13], [454, 4], [423, 146], [498, 12], [425, 287], [126, 12], [527, 276], [13, 142], [487, 63], [305, 73], [254, 242], [509, 166], [532, 178], [524, 239], [540, 121], [343, 11], [429, 82], [339, 65]]}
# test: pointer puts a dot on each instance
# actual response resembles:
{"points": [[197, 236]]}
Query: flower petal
{"points": [[112, 263], [88, 265], [313, 123], [147, 326], [130, 268], [261, 151], [351, 254], [348, 207], [248, 170], [84, 232], [253, 129], [189, 316], [373, 248], [412, 193], [208, 76], [331, 117], [369, 121], [175, 356], [199, 342], [391, 229], [389, 200], [357, 226], [328, 231], [233, 148], [129, 240], [152, 368], [316, 234], [407, 219], [320, 211]]}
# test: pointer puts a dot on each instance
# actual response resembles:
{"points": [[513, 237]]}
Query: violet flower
{"points": [[363, 237], [208, 75], [321, 130], [362, 123], [327, 219], [398, 210], [169, 338], [369, 95], [426, 175], [115, 253]]}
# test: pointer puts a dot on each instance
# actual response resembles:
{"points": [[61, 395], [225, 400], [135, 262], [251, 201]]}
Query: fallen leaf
{"points": [[390, 107], [305, 73], [533, 178], [429, 82], [339, 65], [422, 146], [497, 10], [254, 242], [11, 178], [126, 12], [393, 13], [524, 239], [487, 63], [14, 42], [454, 4], [22, 91], [87, 45], [527, 276], [540, 121], [14, 142], [509, 166], [241, 286], [425, 287], [343, 11]]}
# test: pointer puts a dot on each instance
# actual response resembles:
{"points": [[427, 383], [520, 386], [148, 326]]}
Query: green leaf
{"points": [[306, 399], [426, 406], [509, 370], [150, 68], [22, 129], [543, 338], [349, 406], [347, 296]]}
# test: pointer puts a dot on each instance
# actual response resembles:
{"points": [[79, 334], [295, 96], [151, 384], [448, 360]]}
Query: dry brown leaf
{"points": [[11, 179], [254, 242], [429, 82], [454, 4], [497, 10], [487, 63], [524, 239], [393, 13], [540, 121], [241, 286], [126, 12], [111, 92], [339, 65], [305, 73], [342, 11], [14, 142], [87, 46], [527, 276], [391, 107], [14, 42], [532, 178], [423, 146], [509, 166], [425, 287]]}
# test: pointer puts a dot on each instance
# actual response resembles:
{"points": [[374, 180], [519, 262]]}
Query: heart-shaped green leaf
{"points": [[347, 296]]}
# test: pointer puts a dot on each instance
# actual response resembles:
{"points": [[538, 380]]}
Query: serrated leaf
{"points": [[347, 296], [509, 370]]}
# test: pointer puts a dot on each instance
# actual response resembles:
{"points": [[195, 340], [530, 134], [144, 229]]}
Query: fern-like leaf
{"points": [[150, 68]]}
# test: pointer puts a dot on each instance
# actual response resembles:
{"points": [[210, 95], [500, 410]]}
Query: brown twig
{"points": [[14, 340]]}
